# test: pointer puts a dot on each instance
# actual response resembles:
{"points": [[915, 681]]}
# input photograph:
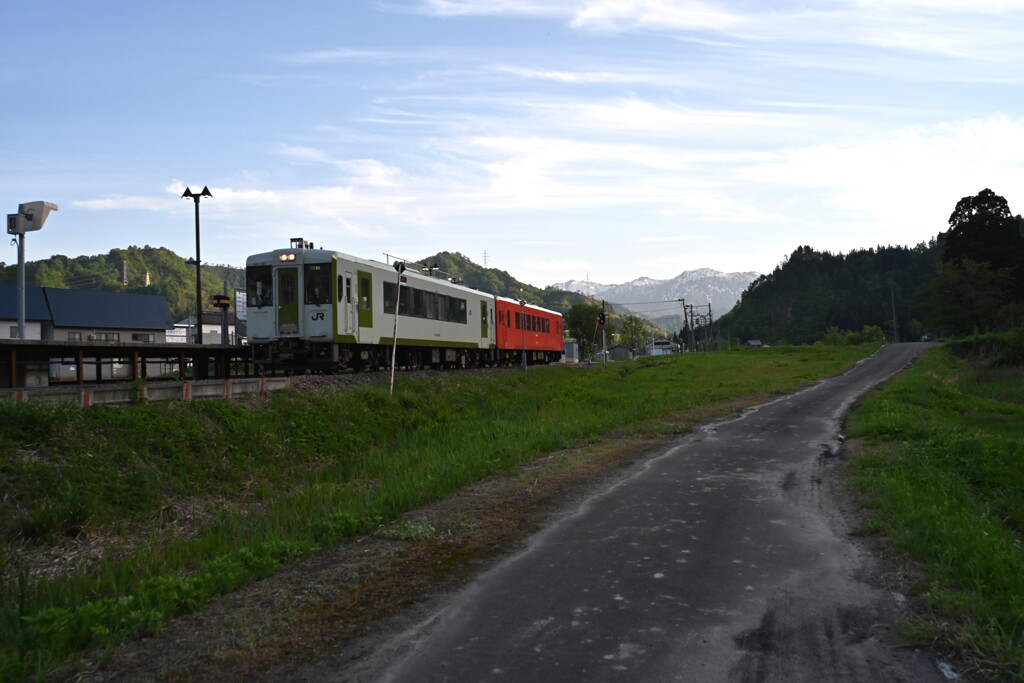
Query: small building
{"points": [[184, 331], [75, 315], [661, 347], [753, 343], [80, 315], [620, 352]]}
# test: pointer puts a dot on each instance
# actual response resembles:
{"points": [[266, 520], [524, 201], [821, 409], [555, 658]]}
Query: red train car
{"points": [[520, 327]]}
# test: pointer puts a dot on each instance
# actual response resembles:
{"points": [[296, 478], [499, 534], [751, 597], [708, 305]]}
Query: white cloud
{"points": [[910, 178], [960, 28], [619, 15], [620, 76]]}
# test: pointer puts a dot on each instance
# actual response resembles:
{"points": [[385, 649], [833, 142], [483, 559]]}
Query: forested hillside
{"points": [[966, 280], [137, 270], [812, 291]]}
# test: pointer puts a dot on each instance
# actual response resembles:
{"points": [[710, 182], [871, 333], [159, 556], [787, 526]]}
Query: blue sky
{"points": [[564, 139]]}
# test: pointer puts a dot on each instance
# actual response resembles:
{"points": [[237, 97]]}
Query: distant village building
{"points": [[184, 331], [79, 315], [74, 315], [620, 352], [661, 347]]}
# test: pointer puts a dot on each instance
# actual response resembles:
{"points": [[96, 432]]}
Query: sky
{"points": [[600, 140]]}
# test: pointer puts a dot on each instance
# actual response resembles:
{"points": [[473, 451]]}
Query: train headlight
{"points": [[286, 257]]}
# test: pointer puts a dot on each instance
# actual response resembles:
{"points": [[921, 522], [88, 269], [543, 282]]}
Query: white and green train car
{"points": [[311, 309]]}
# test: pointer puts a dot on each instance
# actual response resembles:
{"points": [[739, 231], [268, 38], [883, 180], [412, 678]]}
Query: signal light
{"points": [[600, 319]]}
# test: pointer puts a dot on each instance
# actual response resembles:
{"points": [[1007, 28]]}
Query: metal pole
{"points": [[21, 286], [199, 286], [522, 324], [400, 267]]}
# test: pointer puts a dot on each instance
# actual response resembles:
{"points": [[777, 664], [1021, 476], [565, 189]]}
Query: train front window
{"points": [[259, 286], [318, 283]]}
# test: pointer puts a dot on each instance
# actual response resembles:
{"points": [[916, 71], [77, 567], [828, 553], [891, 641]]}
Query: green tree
{"points": [[966, 297], [633, 333], [981, 228], [581, 324]]}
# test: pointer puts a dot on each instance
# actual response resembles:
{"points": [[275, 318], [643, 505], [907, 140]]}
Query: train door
{"points": [[347, 317], [364, 301], [485, 327], [287, 301]]}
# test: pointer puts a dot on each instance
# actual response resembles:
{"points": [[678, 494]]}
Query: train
{"points": [[314, 310]]}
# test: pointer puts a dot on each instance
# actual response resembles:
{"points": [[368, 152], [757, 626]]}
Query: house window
{"points": [[14, 331], [74, 336], [147, 337]]}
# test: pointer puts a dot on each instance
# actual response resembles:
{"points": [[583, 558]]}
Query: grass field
{"points": [[943, 473], [192, 501]]}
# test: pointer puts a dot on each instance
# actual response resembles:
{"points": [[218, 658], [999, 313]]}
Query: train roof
{"points": [[532, 306], [412, 268]]}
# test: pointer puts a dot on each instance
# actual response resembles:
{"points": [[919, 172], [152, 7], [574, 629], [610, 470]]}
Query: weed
{"points": [[943, 470]]}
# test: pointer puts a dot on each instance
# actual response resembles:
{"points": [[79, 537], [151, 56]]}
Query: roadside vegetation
{"points": [[190, 501], [942, 469]]}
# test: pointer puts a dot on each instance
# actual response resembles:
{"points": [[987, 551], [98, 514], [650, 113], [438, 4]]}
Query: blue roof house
{"points": [[78, 315]]}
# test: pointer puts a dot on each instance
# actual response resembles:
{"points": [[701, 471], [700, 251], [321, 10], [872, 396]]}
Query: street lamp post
{"points": [[196, 196], [30, 217]]}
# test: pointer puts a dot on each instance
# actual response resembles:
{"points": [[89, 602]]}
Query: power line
{"points": [[642, 303]]}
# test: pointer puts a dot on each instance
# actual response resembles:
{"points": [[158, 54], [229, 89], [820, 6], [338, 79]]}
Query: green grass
{"points": [[944, 471], [257, 486]]}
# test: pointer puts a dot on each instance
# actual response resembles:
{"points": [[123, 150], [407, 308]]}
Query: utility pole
{"points": [[604, 337], [895, 328]]}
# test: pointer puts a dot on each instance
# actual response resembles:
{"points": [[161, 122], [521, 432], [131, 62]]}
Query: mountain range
{"points": [[661, 301]]}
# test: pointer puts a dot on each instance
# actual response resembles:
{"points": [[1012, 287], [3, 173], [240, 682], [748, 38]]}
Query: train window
{"points": [[517, 321], [432, 305], [287, 286], [259, 286], [407, 300], [364, 292], [419, 303], [318, 283]]}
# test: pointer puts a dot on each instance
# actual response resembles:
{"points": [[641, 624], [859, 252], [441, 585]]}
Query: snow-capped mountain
{"points": [[657, 299]]}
